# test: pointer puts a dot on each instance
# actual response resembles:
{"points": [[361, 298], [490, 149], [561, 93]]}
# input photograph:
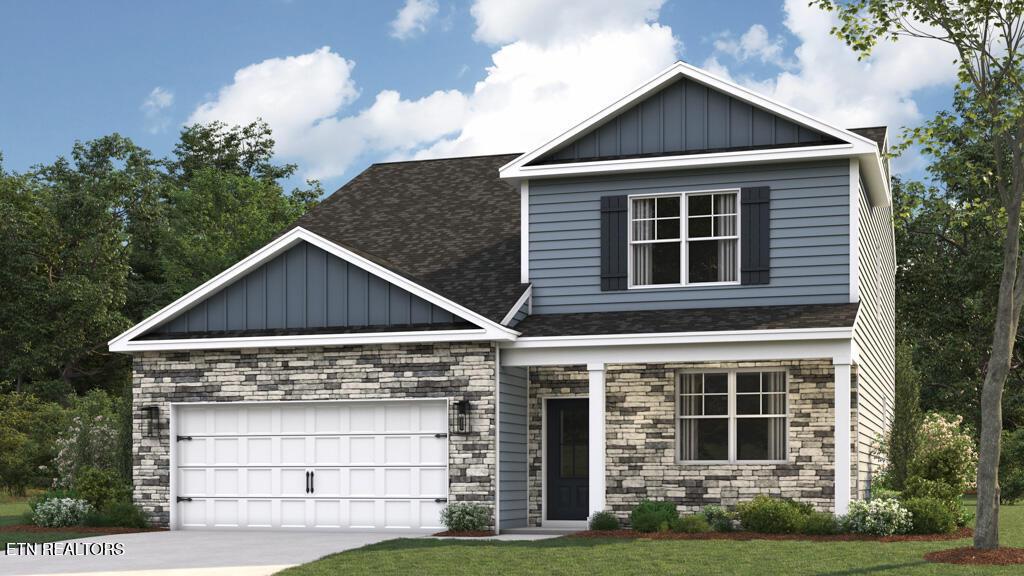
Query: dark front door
{"points": [[567, 464]]}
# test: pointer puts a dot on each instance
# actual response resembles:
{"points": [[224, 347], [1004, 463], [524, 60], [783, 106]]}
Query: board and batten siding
{"points": [[512, 464], [810, 216], [874, 335], [306, 288]]}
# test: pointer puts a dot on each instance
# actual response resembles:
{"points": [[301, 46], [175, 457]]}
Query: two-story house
{"points": [[689, 296]]}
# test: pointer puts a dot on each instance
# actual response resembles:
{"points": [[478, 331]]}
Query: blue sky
{"points": [[345, 84]]}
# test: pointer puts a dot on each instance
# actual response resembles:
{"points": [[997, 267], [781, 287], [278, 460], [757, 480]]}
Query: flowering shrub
{"points": [[58, 512], [945, 452], [881, 517], [92, 438]]}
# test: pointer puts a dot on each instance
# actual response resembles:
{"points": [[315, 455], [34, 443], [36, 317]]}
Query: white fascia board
{"points": [[524, 232], [859, 144], [854, 183], [653, 339], [527, 294], [839, 350], [689, 161], [490, 329], [299, 340]]}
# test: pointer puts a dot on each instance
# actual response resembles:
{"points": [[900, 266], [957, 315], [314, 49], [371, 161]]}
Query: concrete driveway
{"points": [[197, 553]]}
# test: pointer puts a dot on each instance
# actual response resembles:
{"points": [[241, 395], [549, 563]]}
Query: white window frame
{"points": [[683, 240], [730, 415]]}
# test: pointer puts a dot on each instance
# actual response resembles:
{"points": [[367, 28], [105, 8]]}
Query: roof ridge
{"points": [[446, 158]]}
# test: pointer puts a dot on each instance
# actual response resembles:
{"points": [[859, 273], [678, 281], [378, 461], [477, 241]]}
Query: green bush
{"points": [[28, 433], [1011, 467], [945, 452], [772, 515], [692, 524], [92, 437], [60, 512], [883, 493], [117, 513], [102, 487], [820, 524], [720, 519], [465, 517], [604, 521], [939, 490], [877, 517], [653, 516], [902, 442], [930, 516]]}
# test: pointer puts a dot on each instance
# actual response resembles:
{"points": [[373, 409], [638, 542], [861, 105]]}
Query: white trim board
{"points": [[527, 294], [489, 330], [855, 144]]}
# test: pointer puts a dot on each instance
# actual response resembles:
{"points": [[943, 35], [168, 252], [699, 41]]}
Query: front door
{"points": [[567, 464]]}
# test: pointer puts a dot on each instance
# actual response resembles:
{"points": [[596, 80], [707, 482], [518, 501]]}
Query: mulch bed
{"points": [[968, 555], [961, 533], [467, 534], [83, 529]]}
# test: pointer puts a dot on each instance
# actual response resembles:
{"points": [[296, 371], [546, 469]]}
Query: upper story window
{"points": [[684, 239]]}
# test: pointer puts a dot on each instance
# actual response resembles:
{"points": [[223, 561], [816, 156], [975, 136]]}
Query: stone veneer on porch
{"points": [[641, 460]]}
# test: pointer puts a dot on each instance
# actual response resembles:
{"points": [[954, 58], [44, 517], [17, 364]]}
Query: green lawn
{"points": [[12, 511], [649, 557]]}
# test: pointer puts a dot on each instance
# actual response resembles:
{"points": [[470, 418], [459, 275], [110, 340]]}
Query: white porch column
{"points": [[596, 436], [842, 437]]}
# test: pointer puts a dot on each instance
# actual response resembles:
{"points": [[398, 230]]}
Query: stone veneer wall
{"points": [[641, 455], [457, 370]]}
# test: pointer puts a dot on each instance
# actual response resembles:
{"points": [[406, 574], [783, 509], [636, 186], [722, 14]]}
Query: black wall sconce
{"points": [[151, 420], [462, 416]]}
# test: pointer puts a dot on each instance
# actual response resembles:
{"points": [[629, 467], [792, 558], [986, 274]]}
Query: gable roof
{"points": [[483, 328], [449, 225], [843, 143], [684, 117]]}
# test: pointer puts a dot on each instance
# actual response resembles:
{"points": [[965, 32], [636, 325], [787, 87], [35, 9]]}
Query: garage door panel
{"points": [[375, 464]]}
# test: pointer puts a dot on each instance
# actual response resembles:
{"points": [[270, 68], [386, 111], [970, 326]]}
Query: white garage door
{"points": [[358, 465]]}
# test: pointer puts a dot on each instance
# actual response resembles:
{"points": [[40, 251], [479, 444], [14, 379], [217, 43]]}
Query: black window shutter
{"points": [[754, 235], [614, 243]]}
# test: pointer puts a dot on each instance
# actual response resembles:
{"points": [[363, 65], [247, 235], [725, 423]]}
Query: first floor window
{"points": [[731, 416]]}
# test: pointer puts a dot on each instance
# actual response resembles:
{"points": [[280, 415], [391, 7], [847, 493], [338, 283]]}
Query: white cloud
{"points": [[827, 80], [542, 21], [413, 18], [532, 91], [154, 106], [754, 43]]}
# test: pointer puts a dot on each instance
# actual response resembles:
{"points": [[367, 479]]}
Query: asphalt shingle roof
{"points": [[450, 225], [692, 320]]}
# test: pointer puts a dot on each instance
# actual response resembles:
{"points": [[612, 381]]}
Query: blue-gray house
{"points": [[689, 296]]}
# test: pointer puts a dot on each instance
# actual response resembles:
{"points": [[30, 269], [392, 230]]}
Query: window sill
{"points": [[731, 463], [678, 286]]}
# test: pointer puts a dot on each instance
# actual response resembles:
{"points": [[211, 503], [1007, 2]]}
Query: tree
{"points": [[987, 36], [906, 418]]}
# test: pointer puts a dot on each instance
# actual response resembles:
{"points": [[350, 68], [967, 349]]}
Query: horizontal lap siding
{"points": [[512, 487], [809, 239], [874, 335]]}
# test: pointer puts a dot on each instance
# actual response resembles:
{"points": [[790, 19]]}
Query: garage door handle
{"points": [[440, 500], [307, 482], [312, 481], [184, 499]]}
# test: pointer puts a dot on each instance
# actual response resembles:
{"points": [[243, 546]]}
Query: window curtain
{"points": [[775, 404], [726, 226], [643, 268]]}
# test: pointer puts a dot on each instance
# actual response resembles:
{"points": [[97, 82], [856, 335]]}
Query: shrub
{"points": [[653, 516], [28, 432], [883, 493], [1011, 467], [918, 487], [772, 515], [720, 519], [820, 524], [692, 524], [906, 421], [58, 512], [879, 517], [118, 513], [945, 452], [930, 516], [91, 437], [465, 517], [604, 521], [101, 487]]}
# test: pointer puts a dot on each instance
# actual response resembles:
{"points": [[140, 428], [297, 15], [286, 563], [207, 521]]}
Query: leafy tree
{"points": [[226, 202], [28, 432], [989, 109]]}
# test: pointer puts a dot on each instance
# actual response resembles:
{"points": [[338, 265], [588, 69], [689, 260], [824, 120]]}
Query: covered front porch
{"points": [[594, 427]]}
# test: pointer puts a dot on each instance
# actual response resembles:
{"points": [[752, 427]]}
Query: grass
{"points": [[12, 512], [594, 557]]}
